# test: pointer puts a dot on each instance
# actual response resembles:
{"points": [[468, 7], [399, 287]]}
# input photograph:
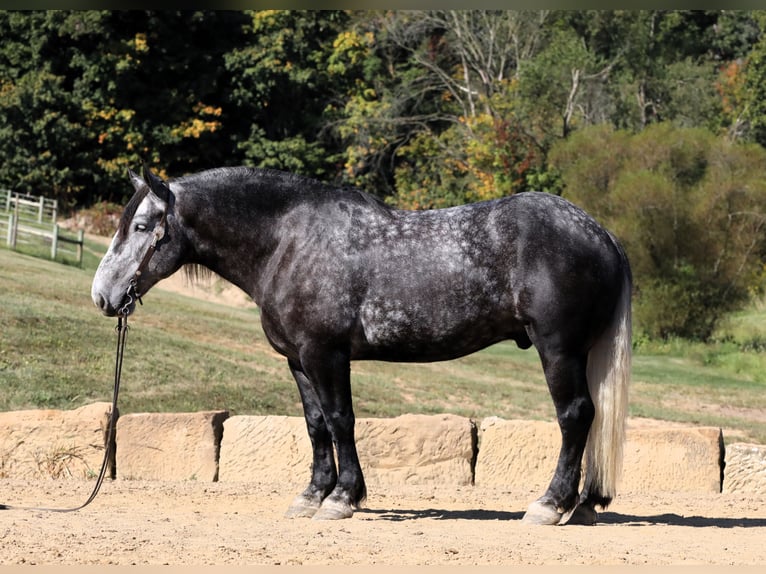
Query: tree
{"points": [[40, 127], [439, 118], [690, 209], [155, 86], [86, 94], [282, 89]]}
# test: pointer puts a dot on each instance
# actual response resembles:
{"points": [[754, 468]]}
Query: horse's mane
{"points": [[378, 204], [313, 187], [196, 273]]}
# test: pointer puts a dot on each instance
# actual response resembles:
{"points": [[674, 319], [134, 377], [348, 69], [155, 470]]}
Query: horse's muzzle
{"points": [[106, 307], [126, 306]]}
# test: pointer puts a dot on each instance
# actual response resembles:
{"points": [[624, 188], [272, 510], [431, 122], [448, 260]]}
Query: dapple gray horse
{"points": [[340, 276]]}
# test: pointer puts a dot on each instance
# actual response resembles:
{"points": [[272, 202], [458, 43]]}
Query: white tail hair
{"points": [[608, 373]]}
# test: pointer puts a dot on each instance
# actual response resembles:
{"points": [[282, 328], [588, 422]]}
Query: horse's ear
{"points": [[158, 187], [135, 179]]}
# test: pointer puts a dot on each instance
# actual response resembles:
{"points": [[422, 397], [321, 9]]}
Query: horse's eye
{"points": [[140, 227]]}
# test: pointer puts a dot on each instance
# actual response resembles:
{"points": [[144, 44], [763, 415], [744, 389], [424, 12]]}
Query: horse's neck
{"points": [[232, 234]]}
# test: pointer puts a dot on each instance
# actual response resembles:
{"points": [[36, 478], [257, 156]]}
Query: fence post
{"points": [[15, 225], [54, 241], [9, 239], [40, 209], [55, 210], [80, 240]]}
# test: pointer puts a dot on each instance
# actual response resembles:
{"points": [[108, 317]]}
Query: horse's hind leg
{"points": [[323, 473], [566, 376]]}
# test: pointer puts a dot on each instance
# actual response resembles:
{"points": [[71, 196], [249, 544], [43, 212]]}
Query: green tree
{"points": [[154, 86], [690, 209], [282, 87], [85, 94], [509, 84], [748, 103], [440, 118], [40, 127]]}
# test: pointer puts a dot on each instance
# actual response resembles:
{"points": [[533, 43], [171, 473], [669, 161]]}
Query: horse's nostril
{"points": [[103, 304]]}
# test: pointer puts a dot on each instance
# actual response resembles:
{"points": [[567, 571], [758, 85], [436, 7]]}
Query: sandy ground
{"points": [[194, 523]]}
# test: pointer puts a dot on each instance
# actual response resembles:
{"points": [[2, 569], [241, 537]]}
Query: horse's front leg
{"points": [[566, 377], [323, 472], [329, 375]]}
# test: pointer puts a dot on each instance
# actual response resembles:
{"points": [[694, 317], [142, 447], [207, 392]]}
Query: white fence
{"points": [[29, 220], [29, 207]]}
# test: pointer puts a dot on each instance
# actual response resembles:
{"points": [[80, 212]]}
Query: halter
{"points": [[132, 291]]}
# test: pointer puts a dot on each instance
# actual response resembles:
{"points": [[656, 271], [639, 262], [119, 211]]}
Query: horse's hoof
{"points": [[541, 513], [582, 515], [302, 507], [333, 510]]}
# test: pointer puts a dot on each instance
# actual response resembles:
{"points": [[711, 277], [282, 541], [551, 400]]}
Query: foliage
{"points": [[445, 125], [751, 101], [690, 209], [283, 78], [353, 95], [104, 90]]}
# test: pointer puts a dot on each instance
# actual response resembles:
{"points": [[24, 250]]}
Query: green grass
{"points": [[184, 354]]}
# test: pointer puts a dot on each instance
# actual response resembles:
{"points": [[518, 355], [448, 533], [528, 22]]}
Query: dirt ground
{"points": [[195, 523]]}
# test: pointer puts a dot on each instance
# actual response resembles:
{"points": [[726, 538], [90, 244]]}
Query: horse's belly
{"points": [[400, 333]]}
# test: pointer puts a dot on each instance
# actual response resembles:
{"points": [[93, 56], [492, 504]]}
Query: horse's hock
{"points": [[409, 449]]}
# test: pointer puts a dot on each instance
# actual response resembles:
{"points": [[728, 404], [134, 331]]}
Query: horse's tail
{"points": [[608, 372]]}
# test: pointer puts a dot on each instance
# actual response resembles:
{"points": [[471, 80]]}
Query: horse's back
{"points": [[448, 282], [438, 284]]}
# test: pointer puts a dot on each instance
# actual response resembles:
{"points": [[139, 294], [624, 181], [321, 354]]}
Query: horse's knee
{"points": [[341, 423]]}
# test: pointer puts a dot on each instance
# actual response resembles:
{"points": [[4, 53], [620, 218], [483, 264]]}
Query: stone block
{"points": [[517, 454], [682, 459], [169, 446], [410, 449], [417, 449], [265, 449], [745, 469], [54, 443], [523, 454]]}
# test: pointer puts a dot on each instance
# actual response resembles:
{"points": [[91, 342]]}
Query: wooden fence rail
{"points": [[28, 206], [25, 219]]}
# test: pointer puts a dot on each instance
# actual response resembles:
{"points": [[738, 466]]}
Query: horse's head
{"points": [[147, 247]]}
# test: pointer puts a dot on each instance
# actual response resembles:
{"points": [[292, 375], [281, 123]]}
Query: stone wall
{"points": [[410, 449]]}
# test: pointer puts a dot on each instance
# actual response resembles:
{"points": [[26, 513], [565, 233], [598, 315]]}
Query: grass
{"points": [[184, 354]]}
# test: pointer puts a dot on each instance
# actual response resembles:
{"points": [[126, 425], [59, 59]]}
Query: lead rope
{"points": [[122, 335]]}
